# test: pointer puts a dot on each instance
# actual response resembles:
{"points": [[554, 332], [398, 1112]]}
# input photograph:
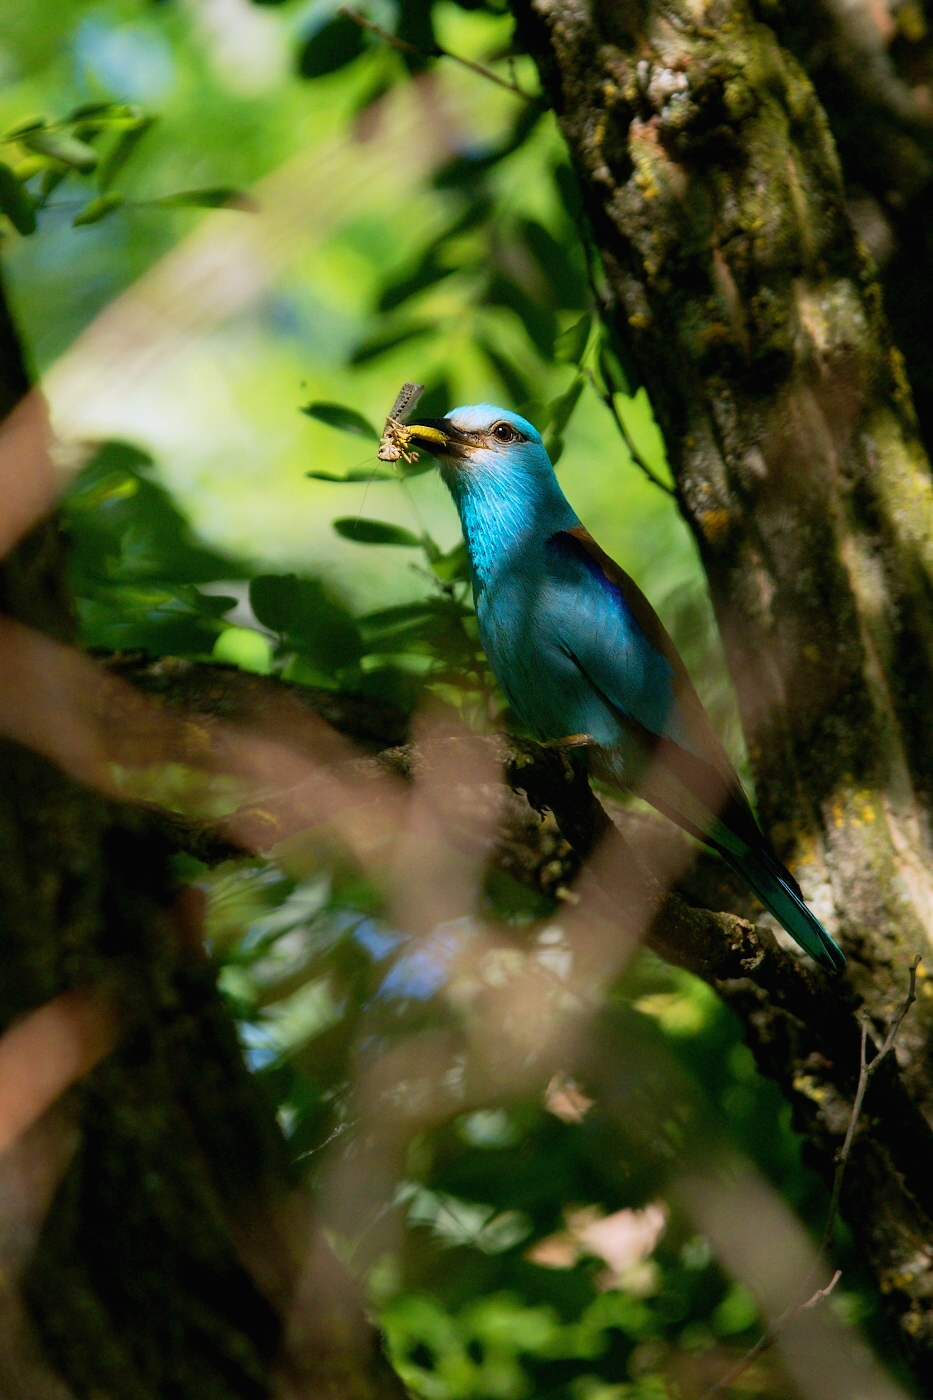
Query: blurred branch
{"points": [[767, 1340], [403, 46], [867, 1069]]}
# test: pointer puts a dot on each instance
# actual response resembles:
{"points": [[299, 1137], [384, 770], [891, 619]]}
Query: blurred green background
{"points": [[197, 532]]}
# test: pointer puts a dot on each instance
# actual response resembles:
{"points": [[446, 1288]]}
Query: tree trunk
{"points": [[150, 1220], [753, 312]]}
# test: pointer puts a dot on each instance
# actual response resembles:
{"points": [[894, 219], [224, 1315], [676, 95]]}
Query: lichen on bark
{"points": [[754, 315]]}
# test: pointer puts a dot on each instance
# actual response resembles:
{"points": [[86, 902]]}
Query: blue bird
{"points": [[583, 658]]}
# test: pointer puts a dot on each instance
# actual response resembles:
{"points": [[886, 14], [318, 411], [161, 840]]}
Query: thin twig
{"points": [[608, 399], [404, 47], [767, 1340], [866, 1070]]}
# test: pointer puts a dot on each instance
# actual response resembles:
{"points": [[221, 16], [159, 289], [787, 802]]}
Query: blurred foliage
{"points": [[479, 284]]}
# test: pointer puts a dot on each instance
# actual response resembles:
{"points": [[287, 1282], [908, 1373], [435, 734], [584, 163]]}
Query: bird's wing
{"points": [[695, 785], [689, 753]]}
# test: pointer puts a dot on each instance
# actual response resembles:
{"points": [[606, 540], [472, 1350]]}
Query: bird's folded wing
{"points": [[690, 777]]}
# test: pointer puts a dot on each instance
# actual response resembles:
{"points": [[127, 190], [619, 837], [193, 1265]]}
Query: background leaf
{"points": [[332, 47], [16, 202], [98, 209], [219, 196], [375, 532], [335, 415]]}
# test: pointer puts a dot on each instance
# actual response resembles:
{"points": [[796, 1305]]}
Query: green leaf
{"points": [[66, 149], [353, 527], [21, 127], [31, 165], [244, 647], [538, 319], [384, 341], [113, 160], [16, 202], [554, 447], [538, 414], [558, 262], [357, 474], [334, 46], [570, 345], [335, 415], [98, 209], [307, 618], [423, 464], [214, 198], [90, 109], [454, 566], [518, 386], [613, 373], [561, 408]]}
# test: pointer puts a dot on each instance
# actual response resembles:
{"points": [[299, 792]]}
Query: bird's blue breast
{"points": [[566, 648]]}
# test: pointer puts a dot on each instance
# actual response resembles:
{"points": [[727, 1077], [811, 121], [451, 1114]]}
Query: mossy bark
{"points": [[142, 1215], [715, 199]]}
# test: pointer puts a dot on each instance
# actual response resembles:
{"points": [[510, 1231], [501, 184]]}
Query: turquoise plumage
{"points": [[583, 658]]}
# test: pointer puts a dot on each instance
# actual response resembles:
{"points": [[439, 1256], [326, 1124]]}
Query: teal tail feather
{"points": [[780, 894]]}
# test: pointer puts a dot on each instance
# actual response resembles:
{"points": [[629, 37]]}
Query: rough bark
{"points": [[139, 1244], [871, 66], [715, 199]]}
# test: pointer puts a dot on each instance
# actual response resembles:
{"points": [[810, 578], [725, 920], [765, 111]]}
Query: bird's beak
{"points": [[438, 435]]}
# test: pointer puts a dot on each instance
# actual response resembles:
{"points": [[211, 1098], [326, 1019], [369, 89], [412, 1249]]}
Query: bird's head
{"points": [[482, 443]]}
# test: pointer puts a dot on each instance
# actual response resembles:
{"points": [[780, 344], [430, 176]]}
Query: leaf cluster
{"points": [[89, 148]]}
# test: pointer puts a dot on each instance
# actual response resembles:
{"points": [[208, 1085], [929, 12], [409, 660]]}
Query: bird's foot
{"points": [[569, 741]]}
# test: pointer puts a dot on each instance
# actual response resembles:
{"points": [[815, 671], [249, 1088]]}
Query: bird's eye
{"points": [[504, 432]]}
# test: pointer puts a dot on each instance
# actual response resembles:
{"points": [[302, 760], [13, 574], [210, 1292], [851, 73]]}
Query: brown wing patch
{"points": [[691, 706]]}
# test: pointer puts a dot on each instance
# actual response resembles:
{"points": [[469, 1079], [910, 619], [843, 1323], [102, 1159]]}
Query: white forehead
{"points": [[480, 417]]}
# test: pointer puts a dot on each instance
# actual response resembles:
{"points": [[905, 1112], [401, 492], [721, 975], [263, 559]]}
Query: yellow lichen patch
{"points": [[839, 816], [714, 524], [911, 22]]}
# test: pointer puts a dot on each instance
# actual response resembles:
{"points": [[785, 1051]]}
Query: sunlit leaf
{"points": [[29, 166], [113, 160], [91, 109], [23, 126], [244, 647], [353, 527], [16, 202], [336, 415], [217, 197], [334, 46], [67, 149], [98, 209]]}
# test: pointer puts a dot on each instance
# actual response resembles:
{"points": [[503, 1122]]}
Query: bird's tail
{"points": [[780, 894]]}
